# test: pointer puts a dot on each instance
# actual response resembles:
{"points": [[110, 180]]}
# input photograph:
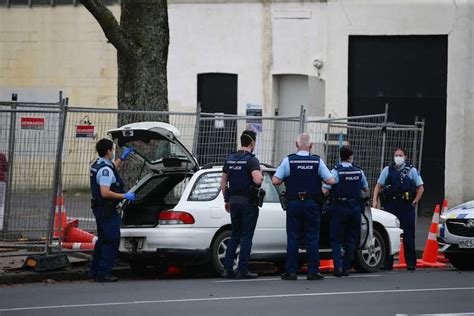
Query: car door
{"points": [[270, 233]]}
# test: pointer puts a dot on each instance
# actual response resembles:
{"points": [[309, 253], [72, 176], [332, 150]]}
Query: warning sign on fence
{"points": [[32, 123], [85, 131]]}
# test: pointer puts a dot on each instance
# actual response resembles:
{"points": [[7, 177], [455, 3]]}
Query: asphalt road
{"points": [[384, 293]]}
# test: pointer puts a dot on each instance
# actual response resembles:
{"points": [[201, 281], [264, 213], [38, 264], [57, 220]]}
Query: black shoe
{"points": [[108, 278], [246, 275], [228, 274], [289, 276], [387, 268], [338, 272], [314, 276], [411, 268], [345, 273]]}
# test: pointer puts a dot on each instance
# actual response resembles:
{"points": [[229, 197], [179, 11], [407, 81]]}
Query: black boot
{"points": [[338, 272], [289, 276]]}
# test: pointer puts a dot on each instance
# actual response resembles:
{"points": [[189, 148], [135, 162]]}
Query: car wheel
{"points": [[373, 258], [219, 248], [461, 261]]}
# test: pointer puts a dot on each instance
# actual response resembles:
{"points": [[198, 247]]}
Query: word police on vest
{"points": [[305, 167]]}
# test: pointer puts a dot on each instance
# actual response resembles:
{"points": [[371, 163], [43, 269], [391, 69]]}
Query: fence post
{"points": [[57, 180], [302, 118], [326, 150], [420, 155], [11, 155], [415, 142], [196, 129], [384, 135]]}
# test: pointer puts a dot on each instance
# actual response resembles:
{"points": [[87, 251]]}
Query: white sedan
{"points": [[179, 214]]}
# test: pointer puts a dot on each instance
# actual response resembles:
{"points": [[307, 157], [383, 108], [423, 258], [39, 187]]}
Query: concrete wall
{"points": [[45, 49]]}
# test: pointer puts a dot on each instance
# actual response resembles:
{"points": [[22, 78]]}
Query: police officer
{"points": [[303, 174], [241, 172], [401, 187], [345, 210], [107, 190]]}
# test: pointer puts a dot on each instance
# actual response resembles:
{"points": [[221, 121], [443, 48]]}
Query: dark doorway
{"points": [[410, 74], [217, 93]]}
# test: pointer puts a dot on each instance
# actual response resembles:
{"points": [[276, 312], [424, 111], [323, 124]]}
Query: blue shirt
{"points": [[363, 180], [283, 171], [414, 175], [105, 176]]}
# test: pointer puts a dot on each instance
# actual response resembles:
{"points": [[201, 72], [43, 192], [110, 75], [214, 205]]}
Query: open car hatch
{"points": [[157, 144]]}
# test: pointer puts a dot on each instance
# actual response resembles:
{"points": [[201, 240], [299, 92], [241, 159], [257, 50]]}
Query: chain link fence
{"points": [[49, 148]]}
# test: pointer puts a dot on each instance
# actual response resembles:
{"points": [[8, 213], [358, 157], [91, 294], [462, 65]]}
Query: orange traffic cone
{"points": [[59, 216], [326, 265], [74, 234], [441, 257], [430, 254], [401, 257], [78, 245]]}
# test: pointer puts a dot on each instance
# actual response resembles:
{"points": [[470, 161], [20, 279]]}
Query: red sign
{"points": [[32, 123], [84, 131]]}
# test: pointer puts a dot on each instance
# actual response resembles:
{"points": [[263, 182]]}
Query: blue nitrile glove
{"points": [[126, 152], [130, 196]]}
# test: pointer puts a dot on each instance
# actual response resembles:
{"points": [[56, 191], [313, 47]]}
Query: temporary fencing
{"points": [[50, 146]]}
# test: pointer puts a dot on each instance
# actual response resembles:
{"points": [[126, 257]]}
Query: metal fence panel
{"points": [[29, 137]]}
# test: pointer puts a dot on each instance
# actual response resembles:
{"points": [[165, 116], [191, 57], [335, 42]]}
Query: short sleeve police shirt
{"points": [[414, 175], [105, 176]]}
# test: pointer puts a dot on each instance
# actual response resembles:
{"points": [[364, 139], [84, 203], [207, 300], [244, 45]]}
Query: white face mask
{"points": [[399, 160]]}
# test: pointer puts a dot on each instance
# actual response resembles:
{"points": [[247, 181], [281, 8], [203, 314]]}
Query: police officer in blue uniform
{"points": [[240, 174], [303, 174], [345, 210], [401, 187], [107, 190]]}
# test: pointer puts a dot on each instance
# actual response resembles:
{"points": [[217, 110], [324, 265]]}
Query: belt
{"points": [[302, 196]]}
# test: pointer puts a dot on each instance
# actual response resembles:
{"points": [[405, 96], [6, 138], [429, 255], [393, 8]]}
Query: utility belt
{"points": [[404, 196], [303, 196], [255, 196], [109, 206]]}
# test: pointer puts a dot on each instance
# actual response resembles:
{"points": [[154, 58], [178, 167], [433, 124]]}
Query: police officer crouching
{"points": [[241, 176], [401, 188], [107, 190], [345, 210], [303, 174]]}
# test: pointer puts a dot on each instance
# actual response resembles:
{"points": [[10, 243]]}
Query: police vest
{"points": [[117, 187], [304, 175], [239, 176], [349, 185], [399, 182]]}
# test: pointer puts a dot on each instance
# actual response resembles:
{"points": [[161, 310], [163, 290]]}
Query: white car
{"points": [[456, 235], [179, 214]]}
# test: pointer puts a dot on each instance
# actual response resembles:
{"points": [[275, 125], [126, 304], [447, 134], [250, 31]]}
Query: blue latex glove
{"points": [[130, 196], [126, 152]]}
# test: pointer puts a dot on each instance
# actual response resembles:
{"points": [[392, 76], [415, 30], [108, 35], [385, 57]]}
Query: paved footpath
{"points": [[385, 293]]}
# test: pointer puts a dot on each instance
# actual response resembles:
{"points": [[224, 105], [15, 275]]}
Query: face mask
{"points": [[399, 160]]}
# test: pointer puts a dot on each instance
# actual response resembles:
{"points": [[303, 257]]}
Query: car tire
{"points": [[219, 247], [461, 261], [372, 259]]}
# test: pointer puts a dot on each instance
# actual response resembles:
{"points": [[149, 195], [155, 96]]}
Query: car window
{"points": [[207, 187], [271, 194], [156, 149]]}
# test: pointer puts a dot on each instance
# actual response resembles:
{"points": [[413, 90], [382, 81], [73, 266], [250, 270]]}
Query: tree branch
{"points": [[109, 25]]}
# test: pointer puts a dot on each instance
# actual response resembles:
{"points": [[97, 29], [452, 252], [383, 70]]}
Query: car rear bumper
{"points": [[167, 239]]}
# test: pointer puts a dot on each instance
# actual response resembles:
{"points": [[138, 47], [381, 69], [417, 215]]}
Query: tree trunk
{"points": [[142, 74]]}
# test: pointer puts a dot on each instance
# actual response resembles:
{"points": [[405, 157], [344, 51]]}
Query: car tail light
{"points": [[175, 218]]}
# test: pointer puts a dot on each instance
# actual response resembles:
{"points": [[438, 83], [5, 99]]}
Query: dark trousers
{"points": [[405, 212], [302, 216], [243, 219], [106, 247], [345, 234]]}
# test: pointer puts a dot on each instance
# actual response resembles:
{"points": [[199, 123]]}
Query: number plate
{"points": [[133, 243], [466, 243]]}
